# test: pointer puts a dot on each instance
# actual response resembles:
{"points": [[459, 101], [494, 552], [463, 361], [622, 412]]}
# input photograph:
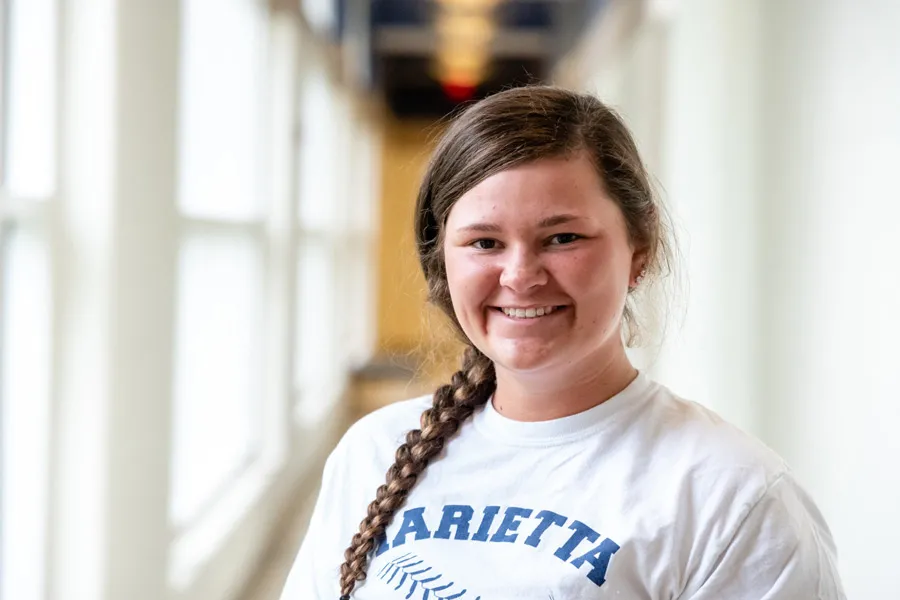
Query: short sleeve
{"points": [[781, 550], [352, 474]]}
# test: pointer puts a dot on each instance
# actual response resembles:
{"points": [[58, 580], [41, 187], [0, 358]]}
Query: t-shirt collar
{"points": [[565, 429]]}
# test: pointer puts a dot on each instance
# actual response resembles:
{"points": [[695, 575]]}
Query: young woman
{"points": [[549, 467]]}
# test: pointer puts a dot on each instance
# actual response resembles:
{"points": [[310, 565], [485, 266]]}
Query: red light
{"points": [[458, 92]]}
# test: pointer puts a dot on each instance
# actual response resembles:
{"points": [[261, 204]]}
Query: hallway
{"points": [[208, 270]]}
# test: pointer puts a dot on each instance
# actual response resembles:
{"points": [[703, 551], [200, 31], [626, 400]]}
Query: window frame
{"points": [[35, 215]]}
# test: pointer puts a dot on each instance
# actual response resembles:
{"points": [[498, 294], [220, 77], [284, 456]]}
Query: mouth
{"points": [[534, 312]]}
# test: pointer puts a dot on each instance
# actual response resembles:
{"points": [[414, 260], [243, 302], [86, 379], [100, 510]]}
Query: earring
{"points": [[640, 278]]}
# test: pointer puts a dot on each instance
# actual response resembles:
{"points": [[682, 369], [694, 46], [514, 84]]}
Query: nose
{"points": [[522, 270]]}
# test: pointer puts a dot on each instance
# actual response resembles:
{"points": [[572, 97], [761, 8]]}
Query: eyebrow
{"points": [[557, 220], [484, 227], [542, 224]]}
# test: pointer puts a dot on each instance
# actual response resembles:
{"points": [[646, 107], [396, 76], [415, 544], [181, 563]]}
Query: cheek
{"points": [[599, 278], [470, 282], [585, 272]]}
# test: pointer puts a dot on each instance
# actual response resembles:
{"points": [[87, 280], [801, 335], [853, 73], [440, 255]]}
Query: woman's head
{"points": [[508, 163]]}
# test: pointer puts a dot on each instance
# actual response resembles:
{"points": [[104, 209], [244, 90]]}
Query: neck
{"points": [[540, 397]]}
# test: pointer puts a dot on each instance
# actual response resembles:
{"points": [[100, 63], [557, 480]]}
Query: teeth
{"points": [[527, 313]]}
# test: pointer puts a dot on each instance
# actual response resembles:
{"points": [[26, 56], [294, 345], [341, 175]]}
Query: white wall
{"points": [[774, 128], [832, 222], [709, 168]]}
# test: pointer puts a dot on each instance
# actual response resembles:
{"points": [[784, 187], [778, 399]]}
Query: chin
{"points": [[523, 360]]}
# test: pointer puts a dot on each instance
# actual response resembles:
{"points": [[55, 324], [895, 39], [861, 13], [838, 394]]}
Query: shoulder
{"points": [[749, 507], [700, 458], [358, 463], [374, 438], [354, 470], [392, 421], [697, 435]]}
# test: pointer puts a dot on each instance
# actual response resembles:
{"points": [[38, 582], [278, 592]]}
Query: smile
{"points": [[527, 313]]}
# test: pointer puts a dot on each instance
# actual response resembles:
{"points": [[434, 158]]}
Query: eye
{"points": [[484, 244], [563, 238]]}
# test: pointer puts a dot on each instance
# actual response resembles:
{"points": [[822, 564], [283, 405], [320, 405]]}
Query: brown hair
{"points": [[507, 129]]}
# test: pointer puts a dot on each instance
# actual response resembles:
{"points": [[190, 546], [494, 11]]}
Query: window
{"points": [[337, 190], [320, 220], [75, 402], [28, 64], [222, 266]]}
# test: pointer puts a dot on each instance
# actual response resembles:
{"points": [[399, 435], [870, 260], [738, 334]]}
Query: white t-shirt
{"points": [[644, 497]]}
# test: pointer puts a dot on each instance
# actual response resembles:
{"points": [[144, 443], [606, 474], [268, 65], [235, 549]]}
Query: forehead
{"points": [[535, 191]]}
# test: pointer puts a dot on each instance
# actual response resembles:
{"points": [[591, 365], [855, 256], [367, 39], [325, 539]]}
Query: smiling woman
{"points": [[564, 245], [535, 224]]}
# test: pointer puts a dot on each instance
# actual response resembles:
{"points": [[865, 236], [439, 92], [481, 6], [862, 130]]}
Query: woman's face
{"points": [[539, 263]]}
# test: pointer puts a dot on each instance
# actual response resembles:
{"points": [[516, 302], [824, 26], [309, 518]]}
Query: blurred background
{"points": [[207, 269]]}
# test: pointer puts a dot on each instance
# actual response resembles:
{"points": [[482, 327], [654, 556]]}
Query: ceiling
{"points": [[401, 45]]}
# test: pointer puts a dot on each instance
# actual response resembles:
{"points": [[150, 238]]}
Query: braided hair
{"points": [[470, 387], [507, 129]]}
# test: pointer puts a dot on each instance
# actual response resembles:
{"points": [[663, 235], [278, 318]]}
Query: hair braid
{"points": [[469, 388]]}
